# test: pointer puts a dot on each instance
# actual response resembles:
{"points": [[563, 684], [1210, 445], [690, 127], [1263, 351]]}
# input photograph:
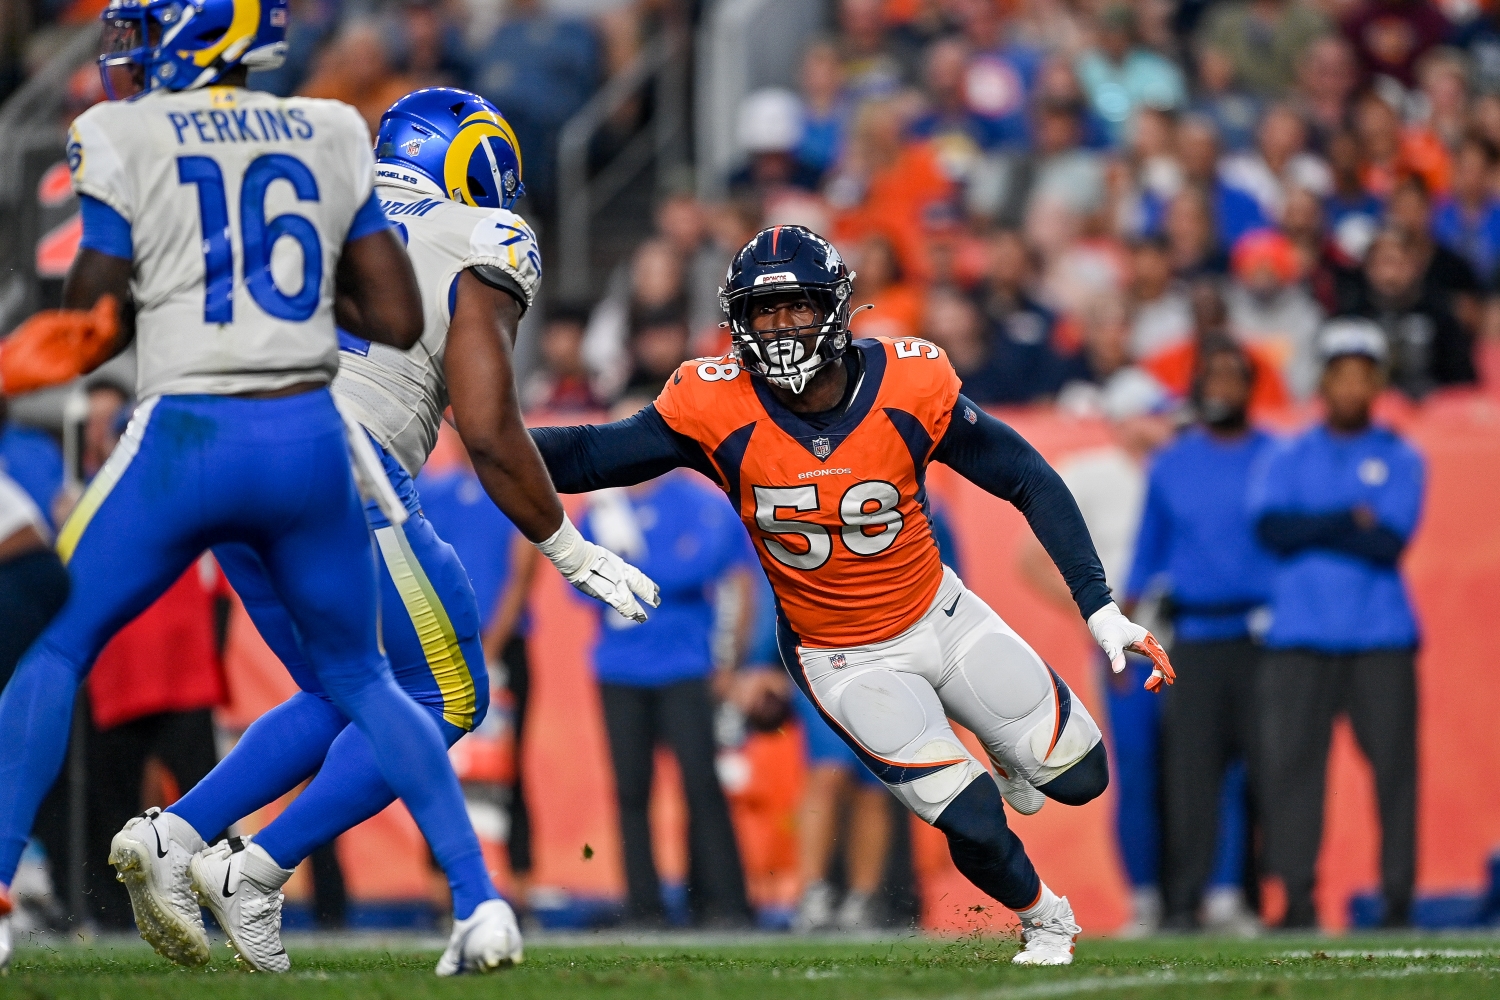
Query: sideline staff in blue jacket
{"points": [[1197, 535], [1338, 505]]}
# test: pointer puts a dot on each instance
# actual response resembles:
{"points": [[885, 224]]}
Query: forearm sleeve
{"points": [[995, 458], [588, 457]]}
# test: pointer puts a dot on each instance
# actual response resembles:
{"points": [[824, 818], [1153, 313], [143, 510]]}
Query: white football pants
{"points": [[891, 701]]}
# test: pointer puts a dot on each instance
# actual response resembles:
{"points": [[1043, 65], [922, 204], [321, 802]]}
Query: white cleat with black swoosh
{"points": [[151, 855], [241, 886]]}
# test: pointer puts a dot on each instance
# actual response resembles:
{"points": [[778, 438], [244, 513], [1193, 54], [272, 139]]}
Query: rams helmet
{"points": [[458, 141], [186, 44]]}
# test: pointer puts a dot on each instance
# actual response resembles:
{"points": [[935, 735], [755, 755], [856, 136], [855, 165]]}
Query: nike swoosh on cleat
{"points": [[227, 872], [949, 609], [159, 852]]}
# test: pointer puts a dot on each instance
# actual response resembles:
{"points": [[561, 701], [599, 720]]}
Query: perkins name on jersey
{"points": [[241, 125]]}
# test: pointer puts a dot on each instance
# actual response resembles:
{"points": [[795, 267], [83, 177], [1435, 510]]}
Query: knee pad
{"points": [[1083, 782]]}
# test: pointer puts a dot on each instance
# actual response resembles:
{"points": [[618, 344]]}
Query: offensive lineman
{"points": [[822, 445], [447, 174]]}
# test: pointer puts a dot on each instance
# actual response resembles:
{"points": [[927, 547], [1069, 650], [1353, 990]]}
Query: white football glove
{"points": [[1115, 634], [600, 573]]}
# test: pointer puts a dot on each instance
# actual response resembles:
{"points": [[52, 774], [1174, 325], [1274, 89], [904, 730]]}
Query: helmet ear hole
{"points": [[476, 190]]}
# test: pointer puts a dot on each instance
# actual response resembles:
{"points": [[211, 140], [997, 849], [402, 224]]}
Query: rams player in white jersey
{"points": [[447, 175], [233, 227]]}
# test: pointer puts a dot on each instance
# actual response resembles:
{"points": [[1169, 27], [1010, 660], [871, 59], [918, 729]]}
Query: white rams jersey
{"points": [[239, 203], [400, 396]]}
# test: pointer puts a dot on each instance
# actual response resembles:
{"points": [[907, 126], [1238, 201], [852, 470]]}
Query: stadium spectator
{"points": [[1326, 79], [1120, 75], [658, 344], [683, 222], [826, 109], [1391, 152], [33, 583], [1353, 214], [561, 382], [1219, 98], [1468, 220], [427, 44], [1426, 345], [1337, 504], [1263, 40], [356, 69], [1161, 316], [32, 460], [1446, 275], [652, 282], [539, 68], [1228, 212], [1390, 36], [769, 133], [1024, 367], [1279, 163], [1175, 367], [654, 681], [870, 69], [897, 302], [502, 567], [1271, 309], [1197, 542]]}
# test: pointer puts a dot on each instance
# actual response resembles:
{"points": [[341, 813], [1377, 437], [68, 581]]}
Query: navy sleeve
{"points": [[589, 457], [369, 219], [105, 230], [995, 458], [1286, 534]]}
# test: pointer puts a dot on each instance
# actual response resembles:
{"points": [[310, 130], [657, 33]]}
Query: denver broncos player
{"points": [[822, 445], [448, 173]]}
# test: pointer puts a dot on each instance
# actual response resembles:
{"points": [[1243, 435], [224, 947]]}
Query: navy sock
{"points": [[1083, 782], [985, 850], [280, 749]]}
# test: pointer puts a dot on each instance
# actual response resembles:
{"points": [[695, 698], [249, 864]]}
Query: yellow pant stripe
{"points": [[445, 658], [109, 475]]}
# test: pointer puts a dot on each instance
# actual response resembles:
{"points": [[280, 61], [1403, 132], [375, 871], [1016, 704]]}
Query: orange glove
{"points": [[1115, 634], [58, 345], [1162, 673]]}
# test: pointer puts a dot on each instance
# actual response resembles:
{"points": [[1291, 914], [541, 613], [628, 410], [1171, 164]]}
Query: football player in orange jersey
{"points": [[822, 444]]}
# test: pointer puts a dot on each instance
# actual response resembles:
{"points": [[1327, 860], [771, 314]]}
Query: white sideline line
{"points": [[1100, 984], [1392, 953]]}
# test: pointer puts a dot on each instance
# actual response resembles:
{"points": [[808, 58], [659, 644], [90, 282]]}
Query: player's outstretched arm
{"points": [[482, 389], [995, 458], [376, 291], [592, 457]]}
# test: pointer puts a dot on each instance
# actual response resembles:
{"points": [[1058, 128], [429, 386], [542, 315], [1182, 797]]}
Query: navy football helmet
{"points": [[458, 141], [784, 262]]}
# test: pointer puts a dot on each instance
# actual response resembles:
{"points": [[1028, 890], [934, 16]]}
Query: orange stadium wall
{"points": [[1453, 568]]}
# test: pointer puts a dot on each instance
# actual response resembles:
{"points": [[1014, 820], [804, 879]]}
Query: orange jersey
{"points": [[837, 515]]}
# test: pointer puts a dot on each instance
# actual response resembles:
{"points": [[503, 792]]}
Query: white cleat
{"points": [[241, 886], [150, 855], [815, 911], [488, 940], [1018, 793], [1049, 933]]}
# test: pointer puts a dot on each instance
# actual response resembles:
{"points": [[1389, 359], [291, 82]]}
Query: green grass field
{"points": [[1359, 968]]}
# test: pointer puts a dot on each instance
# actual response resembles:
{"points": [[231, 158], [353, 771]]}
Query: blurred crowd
{"points": [[1068, 196]]}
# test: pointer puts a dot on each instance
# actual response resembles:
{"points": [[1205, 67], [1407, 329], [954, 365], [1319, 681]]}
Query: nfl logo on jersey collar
{"points": [[822, 447]]}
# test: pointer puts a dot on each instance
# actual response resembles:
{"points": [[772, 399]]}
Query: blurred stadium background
{"points": [[1032, 184]]}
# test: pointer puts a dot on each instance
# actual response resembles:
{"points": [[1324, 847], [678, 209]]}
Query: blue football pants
{"points": [[191, 473]]}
